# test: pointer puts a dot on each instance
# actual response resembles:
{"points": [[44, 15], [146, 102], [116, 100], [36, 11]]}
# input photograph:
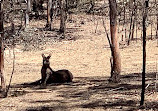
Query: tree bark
{"points": [[116, 58], [49, 8], [3, 85], [144, 53], [63, 16]]}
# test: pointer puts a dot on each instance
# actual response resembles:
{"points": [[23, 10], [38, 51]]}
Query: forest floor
{"points": [[86, 54]]}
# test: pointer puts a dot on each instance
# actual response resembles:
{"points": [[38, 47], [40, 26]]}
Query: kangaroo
{"points": [[50, 76]]}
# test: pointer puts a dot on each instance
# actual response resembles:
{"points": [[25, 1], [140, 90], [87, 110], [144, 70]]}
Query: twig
{"points": [[148, 85], [107, 34], [6, 60], [2, 99]]}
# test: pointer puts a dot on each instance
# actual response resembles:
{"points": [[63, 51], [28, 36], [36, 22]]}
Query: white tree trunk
{"points": [[27, 13]]}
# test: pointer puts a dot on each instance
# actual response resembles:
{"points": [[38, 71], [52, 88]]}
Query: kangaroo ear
{"points": [[49, 56], [43, 55]]}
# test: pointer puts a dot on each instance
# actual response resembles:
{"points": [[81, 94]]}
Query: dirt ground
{"points": [[86, 54]]}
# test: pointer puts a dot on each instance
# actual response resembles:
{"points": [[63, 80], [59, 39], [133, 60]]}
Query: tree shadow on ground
{"points": [[95, 93]]}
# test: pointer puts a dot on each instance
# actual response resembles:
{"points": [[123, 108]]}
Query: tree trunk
{"points": [[27, 13], [157, 27], [136, 26], [132, 36], [29, 6], [63, 16], [151, 21], [116, 58], [49, 8], [124, 17], [144, 53], [3, 88], [132, 22], [151, 30]]}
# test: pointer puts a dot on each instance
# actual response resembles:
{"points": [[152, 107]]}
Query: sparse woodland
{"points": [[109, 46]]}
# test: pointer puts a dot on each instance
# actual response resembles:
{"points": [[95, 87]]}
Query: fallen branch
{"points": [[115, 89]]}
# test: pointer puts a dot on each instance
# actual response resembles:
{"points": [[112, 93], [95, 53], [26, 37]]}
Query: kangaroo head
{"points": [[46, 62]]}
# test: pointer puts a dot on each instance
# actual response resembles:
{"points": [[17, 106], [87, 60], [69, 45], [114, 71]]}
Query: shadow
{"points": [[55, 108], [93, 93], [40, 17], [133, 76], [33, 87], [27, 85], [151, 105], [118, 104], [121, 105], [72, 30]]}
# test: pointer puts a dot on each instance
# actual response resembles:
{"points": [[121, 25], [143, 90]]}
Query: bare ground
{"points": [[86, 54]]}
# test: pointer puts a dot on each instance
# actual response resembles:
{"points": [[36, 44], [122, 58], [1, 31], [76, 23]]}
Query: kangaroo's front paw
{"points": [[43, 86]]}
